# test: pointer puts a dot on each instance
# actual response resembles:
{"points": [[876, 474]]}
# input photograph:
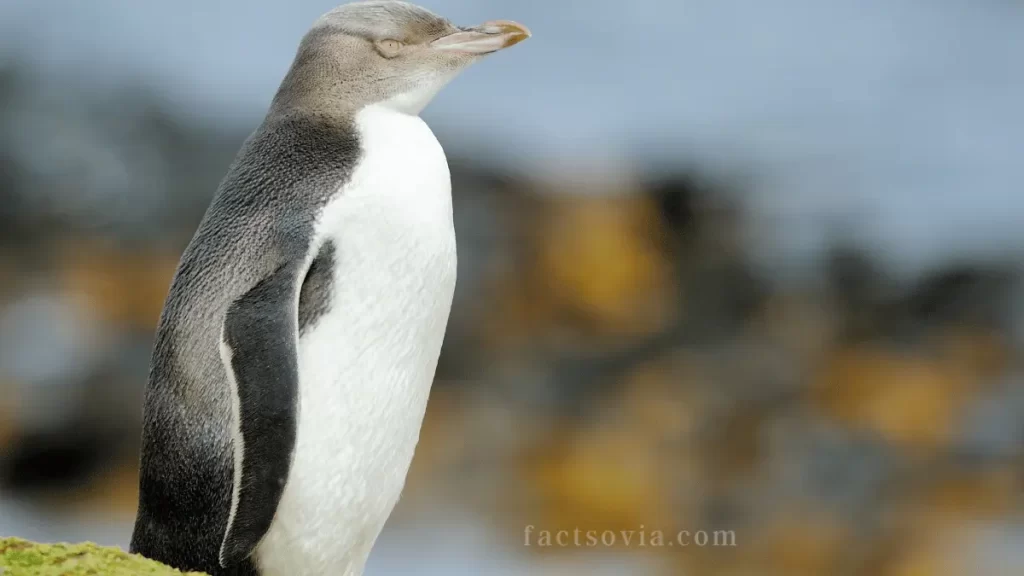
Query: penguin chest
{"points": [[367, 361]]}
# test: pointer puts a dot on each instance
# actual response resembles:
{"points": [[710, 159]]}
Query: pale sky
{"points": [[903, 115]]}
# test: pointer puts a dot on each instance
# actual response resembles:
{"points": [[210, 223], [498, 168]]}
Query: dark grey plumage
{"points": [[317, 288], [260, 222]]}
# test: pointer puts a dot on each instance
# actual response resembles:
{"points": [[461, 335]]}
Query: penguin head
{"points": [[386, 52]]}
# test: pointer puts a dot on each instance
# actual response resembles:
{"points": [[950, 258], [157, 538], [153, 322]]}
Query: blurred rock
{"points": [[911, 400]]}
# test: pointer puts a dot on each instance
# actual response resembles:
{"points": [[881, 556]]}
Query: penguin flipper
{"points": [[259, 348]]}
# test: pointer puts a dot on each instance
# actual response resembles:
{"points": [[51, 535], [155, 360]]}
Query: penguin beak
{"points": [[483, 39]]}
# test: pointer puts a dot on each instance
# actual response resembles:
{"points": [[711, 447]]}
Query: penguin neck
{"points": [[308, 88], [336, 104], [315, 86]]}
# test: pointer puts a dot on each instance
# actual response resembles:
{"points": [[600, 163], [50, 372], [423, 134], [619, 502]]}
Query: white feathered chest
{"points": [[366, 365]]}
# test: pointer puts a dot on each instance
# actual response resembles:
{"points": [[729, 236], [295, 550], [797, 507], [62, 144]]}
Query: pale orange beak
{"points": [[483, 39]]}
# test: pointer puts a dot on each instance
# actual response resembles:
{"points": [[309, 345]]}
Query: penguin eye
{"points": [[389, 48]]}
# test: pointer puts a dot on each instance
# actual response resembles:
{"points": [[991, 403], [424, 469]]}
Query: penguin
{"points": [[299, 339]]}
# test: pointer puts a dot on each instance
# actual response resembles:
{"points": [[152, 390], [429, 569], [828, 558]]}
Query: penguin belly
{"points": [[366, 364]]}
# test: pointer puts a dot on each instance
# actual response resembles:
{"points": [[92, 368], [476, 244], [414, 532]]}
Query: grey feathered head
{"points": [[385, 52]]}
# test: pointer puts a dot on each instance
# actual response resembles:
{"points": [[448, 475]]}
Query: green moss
{"points": [[23, 558]]}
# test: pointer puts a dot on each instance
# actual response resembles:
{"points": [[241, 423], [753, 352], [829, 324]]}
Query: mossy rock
{"points": [[23, 558]]}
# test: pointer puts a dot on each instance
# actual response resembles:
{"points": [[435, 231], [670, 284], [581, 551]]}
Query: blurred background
{"points": [[724, 265]]}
